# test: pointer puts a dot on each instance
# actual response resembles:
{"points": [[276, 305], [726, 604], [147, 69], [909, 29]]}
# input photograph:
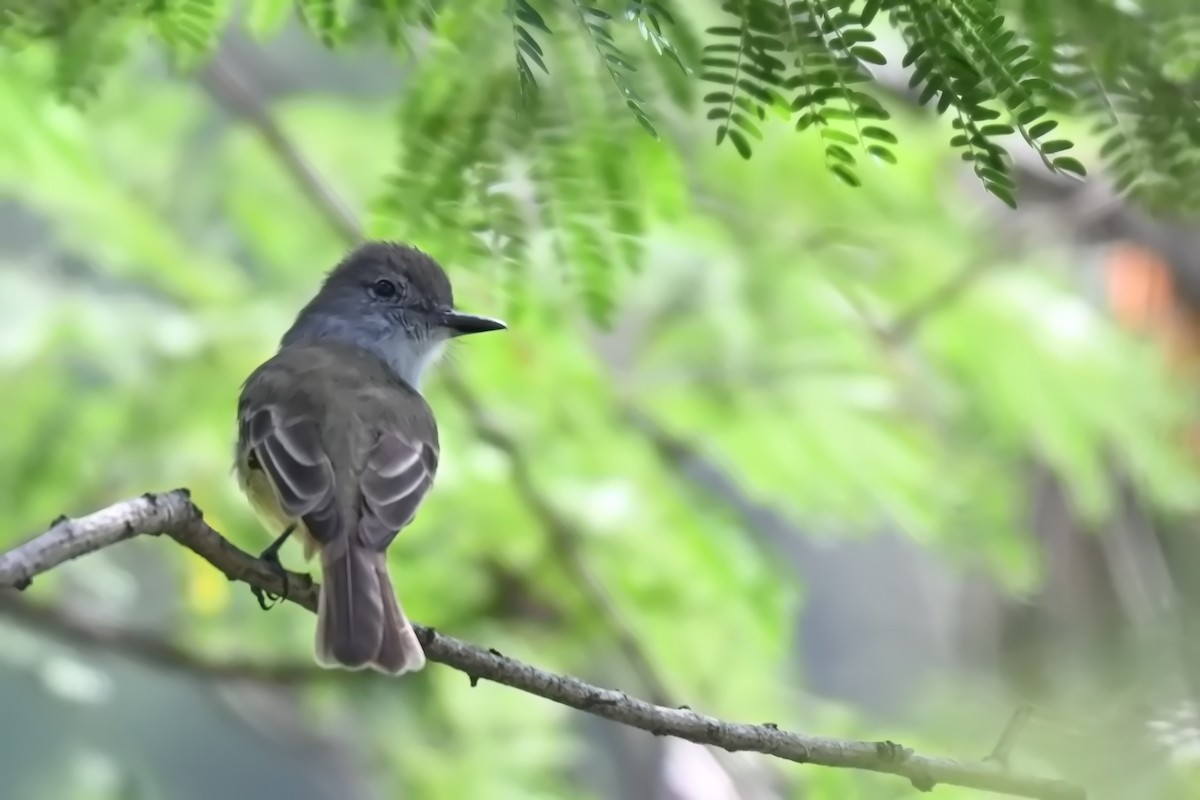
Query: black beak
{"points": [[461, 324]]}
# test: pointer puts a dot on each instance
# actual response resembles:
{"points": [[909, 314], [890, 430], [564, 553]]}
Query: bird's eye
{"points": [[384, 289]]}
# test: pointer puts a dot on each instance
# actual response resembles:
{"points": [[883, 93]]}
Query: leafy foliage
{"points": [[560, 172], [190, 28], [826, 48], [994, 75], [1129, 72], [524, 16], [324, 19], [1004, 73], [999, 70], [595, 22]]}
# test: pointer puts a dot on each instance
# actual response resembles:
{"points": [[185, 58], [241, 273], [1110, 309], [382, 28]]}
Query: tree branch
{"points": [[174, 515], [236, 97], [907, 323]]}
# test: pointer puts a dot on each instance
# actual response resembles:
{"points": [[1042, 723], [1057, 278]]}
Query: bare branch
{"points": [[232, 93], [1008, 738], [174, 514], [906, 324]]}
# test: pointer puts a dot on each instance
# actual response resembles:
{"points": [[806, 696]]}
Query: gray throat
{"points": [[408, 357]]}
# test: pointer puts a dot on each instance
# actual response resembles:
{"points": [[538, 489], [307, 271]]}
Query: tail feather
{"points": [[350, 611], [400, 651], [359, 621]]}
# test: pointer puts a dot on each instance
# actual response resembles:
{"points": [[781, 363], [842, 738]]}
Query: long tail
{"points": [[359, 621]]}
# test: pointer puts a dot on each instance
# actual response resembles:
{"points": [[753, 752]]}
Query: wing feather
{"points": [[397, 476], [290, 452]]}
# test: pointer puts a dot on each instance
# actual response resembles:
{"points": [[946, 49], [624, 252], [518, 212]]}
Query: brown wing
{"points": [[397, 475], [289, 450]]}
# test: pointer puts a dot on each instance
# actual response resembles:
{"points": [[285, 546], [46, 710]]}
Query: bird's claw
{"points": [[263, 596], [267, 600]]}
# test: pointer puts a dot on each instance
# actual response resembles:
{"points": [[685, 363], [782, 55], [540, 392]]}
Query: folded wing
{"points": [[289, 450], [397, 476]]}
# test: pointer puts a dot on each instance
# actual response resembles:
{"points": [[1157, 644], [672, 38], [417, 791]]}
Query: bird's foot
{"points": [[267, 600]]}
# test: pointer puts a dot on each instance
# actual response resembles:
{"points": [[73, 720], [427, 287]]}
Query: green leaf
{"points": [[1042, 128], [882, 153], [1002, 192], [1071, 165], [845, 175], [526, 13], [739, 142], [1031, 115], [1055, 146], [868, 54], [880, 134]]}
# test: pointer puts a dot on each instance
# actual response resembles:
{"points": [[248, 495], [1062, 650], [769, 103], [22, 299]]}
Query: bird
{"points": [[335, 441]]}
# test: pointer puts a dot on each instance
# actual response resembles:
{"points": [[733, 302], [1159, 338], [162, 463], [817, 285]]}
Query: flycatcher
{"points": [[335, 441]]}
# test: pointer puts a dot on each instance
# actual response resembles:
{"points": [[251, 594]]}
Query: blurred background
{"points": [[886, 462]]}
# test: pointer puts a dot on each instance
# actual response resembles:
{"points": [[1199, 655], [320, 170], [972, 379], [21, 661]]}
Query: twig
{"points": [[1008, 738], [227, 88], [955, 286], [684, 461], [174, 514]]}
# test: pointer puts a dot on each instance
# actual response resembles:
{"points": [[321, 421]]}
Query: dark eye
{"points": [[384, 289]]}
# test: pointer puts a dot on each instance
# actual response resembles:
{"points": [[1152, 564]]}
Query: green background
{"points": [[790, 512]]}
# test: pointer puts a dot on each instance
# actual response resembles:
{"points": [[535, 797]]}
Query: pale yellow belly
{"points": [[258, 490]]}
